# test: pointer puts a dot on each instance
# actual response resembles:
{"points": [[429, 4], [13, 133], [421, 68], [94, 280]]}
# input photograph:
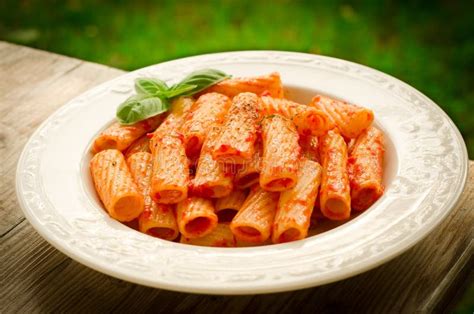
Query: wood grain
{"points": [[35, 277], [34, 83]]}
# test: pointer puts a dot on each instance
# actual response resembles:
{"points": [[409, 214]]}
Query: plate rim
{"points": [[400, 249]]}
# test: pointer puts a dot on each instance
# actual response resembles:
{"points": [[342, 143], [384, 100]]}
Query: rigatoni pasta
{"points": [[281, 154], [172, 123], [221, 236], [308, 120], [121, 136], [248, 174], [309, 147], [308, 167], [196, 217], [365, 168], [169, 183], [253, 223], [295, 205], [115, 186], [157, 220], [228, 206], [260, 85], [350, 119], [142, 144], [335, 199], [211, 178], [239, 132], [208, 110], [170, 178]]}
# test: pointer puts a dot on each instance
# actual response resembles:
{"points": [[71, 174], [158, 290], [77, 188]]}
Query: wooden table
{"points": [[35, 277]]}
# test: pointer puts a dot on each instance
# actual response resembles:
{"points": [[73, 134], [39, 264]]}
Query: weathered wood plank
{"points": [[37, 278], [30, 269], [34, 83], [454, 280]]}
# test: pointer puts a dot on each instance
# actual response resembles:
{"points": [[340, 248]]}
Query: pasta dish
{"points": [[234, 163]]}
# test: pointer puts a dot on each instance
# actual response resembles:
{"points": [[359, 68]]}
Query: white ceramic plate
{"points": [[425, 172]]}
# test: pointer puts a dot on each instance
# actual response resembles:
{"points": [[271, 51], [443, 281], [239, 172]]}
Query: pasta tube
{"points": [[295, 205], [239, 132], [350, 119], [208, 110], [170, 177], [249, 173], [121, 136], [281, 153], [196, 217], [172, 124], [169, 183], [260, 85], [365, 167], [211, 179], [308, 120], [221, 236], [309, 147], [140, 145], [228, 206], [335, 199], [115, 186], [253, 222], [157, 220]]}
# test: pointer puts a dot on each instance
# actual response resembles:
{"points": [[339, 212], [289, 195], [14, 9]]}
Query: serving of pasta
{"points": [[238, 164]]}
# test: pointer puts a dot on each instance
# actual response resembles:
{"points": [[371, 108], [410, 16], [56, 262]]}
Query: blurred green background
{"points": [[428, 44]]}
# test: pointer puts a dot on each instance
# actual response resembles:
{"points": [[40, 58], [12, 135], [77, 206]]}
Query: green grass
{"points": [[429, 45]]}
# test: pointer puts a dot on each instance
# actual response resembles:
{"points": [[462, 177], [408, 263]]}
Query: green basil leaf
{"points": [[140, 107], [153, 94], [150, 86], [201, 79], [178, 90]]}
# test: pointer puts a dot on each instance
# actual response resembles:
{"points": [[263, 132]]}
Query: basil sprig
{"points": [[150, 86], [154, 95], [140, 107]]}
